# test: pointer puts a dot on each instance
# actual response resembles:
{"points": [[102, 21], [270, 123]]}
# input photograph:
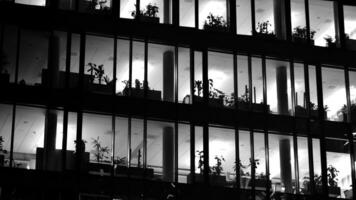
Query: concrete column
{"points": [[282, 90], [285, 164], [168, 76], [280, 14], [167, 11], [168, 153], [50, 138]]}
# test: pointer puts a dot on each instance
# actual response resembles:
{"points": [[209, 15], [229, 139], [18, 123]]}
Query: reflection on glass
{"points": [[221, 156], [136, 149], [184, 87], [281, 160], [264, 15], [317, 165], [339, 168], [99, 64], [186, 13], [163, 7], [259, 162], [322, 21], [183, 152], [243, 82], [32, 2], [29, 137], [334, 94], [121, 143], [215, 7], [33, 57], [313, 93], [160, 149], [350, 24], [299, 89], [198, 75], [126, 8], [352, 78], [298, 14], [243, 17], [221, 79], [199, 153], [5, 134], [160, 72], [278, 86], [303, 165]]}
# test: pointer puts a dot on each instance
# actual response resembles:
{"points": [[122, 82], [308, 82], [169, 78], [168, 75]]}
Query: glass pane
{"points": [[8, 54], [303, 165], [350, 24], [183, 152], [160, 72], [184, 75], [33, 57], [322, 20], [221, 156], [221, 79], [160, 150], [74, 61], [126, 8], [281, 160], [32, 2], [257, 83], [198, 74], [163, 6], [29, 137], [186, 13], [317, 166], [98, 6], [5, 134], [243, 82], [334, 93], [123, 62], [299, 88], [264, 15], [121, 144], [199, 155], [136, 143], [352, 78], [278, 87], [298, 14], [215, 7], [66, 4], [313, 93], [245, 159], [243, 17], [59, 60], [260, 162], [99, 64], [138, 70]]}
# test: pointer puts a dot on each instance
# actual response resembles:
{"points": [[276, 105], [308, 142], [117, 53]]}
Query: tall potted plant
{"points": [[138, 90], [215, 23], [216, 178], [147, 15], [97, 72]]}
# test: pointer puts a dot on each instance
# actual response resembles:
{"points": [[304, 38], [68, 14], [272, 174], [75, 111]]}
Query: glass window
{"points": [[317, 166], [338, 167], [350, 24], [33, 57], [98, 136], [161, 72], [278, 86], [245, 159], [303, 165], [97, 6], [136, 148], [243, 96], [334, 93], [298, 14], [99, 64], [243, 17], [163, 9], [221, 155], [121, 151], [184, 83], [352, 77], [8, 54], [74, 61], [187, 13], [264, 16], [199, 156], [322, 21], [126, 8], [259, 163], [29, 137], [313, 92], [183, 152], [217, 8], [299, 89], [281, 160], [5, 134], [32, 2], [221, 79], [257, 85], [198, 75], [138, 71], [57, 80], [160, 149], [123, 62]]}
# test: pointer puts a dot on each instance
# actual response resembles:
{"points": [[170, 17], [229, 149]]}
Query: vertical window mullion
{"points": [[64, 139], [196, 14]]}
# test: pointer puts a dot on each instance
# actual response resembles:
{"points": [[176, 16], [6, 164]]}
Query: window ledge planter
{"points": [[300, 40], [213, 179], [139, 93], [302, 112], [101, 88], [134, 171], [257, 107], [212, 101], [154, 20]]}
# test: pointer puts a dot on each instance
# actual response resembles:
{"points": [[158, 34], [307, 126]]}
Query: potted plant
{"points": [[300, 35], [245, 177], [314, 112], [138, 90], [330, 41], [260, 179], [97, 72], [100, 152], [244, 103], [199, 178], [262, 30], [2, 152], [343, 112], [332, 174], [215, 23], [215, 177], [4, 74], [147, 15], [216, 96]]}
